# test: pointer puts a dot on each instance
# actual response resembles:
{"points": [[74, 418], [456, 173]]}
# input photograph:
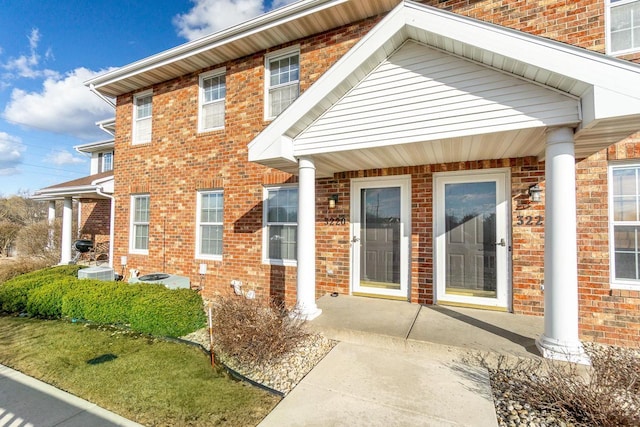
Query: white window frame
{"points": [[220, 72], [273, 56], [199, 224], [134, 224], [607, 13], [625, 284], [107, 165], [136, 119], [266, 224]]}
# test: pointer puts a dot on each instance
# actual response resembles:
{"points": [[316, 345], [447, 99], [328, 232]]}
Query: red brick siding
{"points": [[179, 161], [607, 315], [95, 220]]}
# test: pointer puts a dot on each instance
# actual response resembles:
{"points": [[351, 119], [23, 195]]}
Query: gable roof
{"points": [[608, 89]]}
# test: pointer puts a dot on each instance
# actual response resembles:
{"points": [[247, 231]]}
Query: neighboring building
{"points": [[94, 195], [396, 149]]}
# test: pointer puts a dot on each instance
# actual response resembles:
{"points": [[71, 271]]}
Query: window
{"points": [[281, 225], [624, 26], [212, 95], [283, 81], [142, 118], [106, 163], [209, 225], [624, 213], [139, 224]]}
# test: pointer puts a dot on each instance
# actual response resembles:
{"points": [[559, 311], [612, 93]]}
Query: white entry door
{"points": [[472, 241], [380, 229]]}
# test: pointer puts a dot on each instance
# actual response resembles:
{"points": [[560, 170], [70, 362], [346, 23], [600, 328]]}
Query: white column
{"points": [[306, 281], [560, 339], [67, 220], [51, 219]]}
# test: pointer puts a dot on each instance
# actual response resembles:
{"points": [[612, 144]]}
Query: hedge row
{"points": [[57, 293]]}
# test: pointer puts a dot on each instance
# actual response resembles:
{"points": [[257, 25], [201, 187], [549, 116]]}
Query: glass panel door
{"points": [[470, 244], [380, 237], [380, 224], [471, 236]]}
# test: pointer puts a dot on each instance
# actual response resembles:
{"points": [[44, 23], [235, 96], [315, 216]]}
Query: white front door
{"points": [[380, 230], [472, 242]]}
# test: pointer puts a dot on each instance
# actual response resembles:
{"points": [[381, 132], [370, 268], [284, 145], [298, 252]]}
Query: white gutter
{"points": [[111, 222], [92, 88]]}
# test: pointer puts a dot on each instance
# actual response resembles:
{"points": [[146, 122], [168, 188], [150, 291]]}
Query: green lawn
{"points": [[150, 381]]}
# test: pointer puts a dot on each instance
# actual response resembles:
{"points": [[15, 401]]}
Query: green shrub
{"points": [[165, 312], [46, 300], [56, 292], [14, 293]]}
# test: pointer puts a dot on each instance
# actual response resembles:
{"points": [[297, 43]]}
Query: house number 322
{"points": [[530, 220]]}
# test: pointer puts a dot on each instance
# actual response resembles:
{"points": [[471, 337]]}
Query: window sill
{"points": [[208, 257], [138, 252], [625, 287], [282, 262]]}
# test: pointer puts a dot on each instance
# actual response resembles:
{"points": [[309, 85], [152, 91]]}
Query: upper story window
{"points": [[623, 26], [209, 224], [105, 162], [282, 80], [142, 118], [139, 233], [624, 214], [212, 95], [281, 225]]}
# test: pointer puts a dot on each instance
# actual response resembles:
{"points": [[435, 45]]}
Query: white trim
{"points": [[199, 254], [607, 25], [503, 230], [218, 72], [135, 119], [265, 233], [271, 56], [404, 182], [622, 284], [132, 249]]}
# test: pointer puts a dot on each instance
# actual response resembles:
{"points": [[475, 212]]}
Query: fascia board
{"points": [[577, 63], [259, 148]]}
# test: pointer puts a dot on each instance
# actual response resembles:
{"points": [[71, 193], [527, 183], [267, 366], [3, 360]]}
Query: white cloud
{"points": [[11, 149], [62, 157], [209, 16], [64, 105], [27, 66]]}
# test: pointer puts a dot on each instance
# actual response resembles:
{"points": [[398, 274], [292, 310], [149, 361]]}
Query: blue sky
{"points": [[48, 49]]}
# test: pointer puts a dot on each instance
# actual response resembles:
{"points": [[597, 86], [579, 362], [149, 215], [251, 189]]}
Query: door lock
{"points": [[502, 243], [355, 239]]}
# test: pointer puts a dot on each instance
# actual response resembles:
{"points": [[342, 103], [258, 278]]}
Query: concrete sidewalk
{"points": [[27, 402], [400, 364]]}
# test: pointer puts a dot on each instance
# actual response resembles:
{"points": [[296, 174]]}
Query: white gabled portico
{"points": [[426, 86]]}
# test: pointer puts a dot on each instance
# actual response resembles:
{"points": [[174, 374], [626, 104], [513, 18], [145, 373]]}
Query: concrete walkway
{"points": [[27, 402], [401, 364]]}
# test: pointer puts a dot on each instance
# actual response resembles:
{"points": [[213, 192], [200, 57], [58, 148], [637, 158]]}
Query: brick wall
{"points": [[180, 161], [607, 315], [95, 220]]}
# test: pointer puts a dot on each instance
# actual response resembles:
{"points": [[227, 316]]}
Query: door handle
{"points": [[502, 243], [355, 239]]}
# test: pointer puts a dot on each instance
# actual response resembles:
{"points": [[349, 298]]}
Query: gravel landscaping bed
{"points": [[282, 374]]}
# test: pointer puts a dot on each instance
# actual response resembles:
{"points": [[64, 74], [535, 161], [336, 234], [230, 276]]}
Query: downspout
{"points": [[92, 88], [112, 221]]}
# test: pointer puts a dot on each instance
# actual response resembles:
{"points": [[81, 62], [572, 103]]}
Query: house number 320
{"points": [[530, 220]]}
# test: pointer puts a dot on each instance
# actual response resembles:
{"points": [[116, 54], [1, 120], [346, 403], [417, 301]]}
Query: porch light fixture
{"points": [[333, 199], [535, 192]]}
